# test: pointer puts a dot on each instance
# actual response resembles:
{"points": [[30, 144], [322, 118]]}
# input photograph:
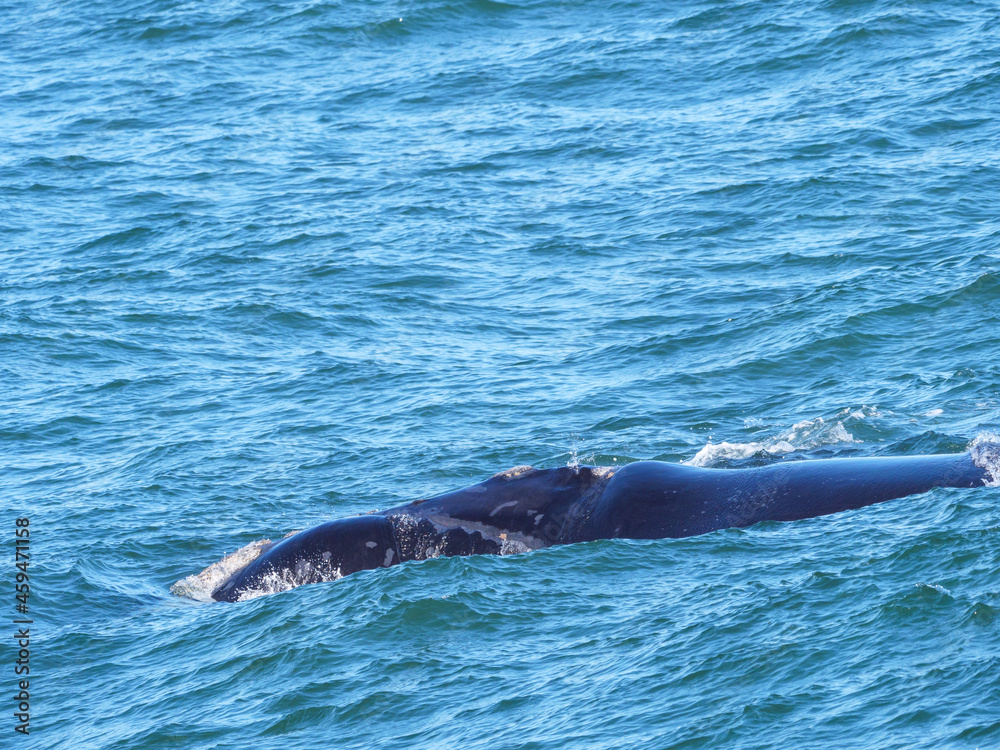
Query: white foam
{"points": [[805, 435], [201, 585], [937, 587], [513, 547], [985, 450], [283, 580]]}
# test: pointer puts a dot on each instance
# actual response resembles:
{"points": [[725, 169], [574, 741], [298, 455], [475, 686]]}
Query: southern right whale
{"points": [[526, 508]]}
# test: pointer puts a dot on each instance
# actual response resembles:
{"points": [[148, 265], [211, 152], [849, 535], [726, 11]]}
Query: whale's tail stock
{"points": [[803, 489]]}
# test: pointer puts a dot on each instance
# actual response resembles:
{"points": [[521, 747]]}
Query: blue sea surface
{"points": [[264, 263]]}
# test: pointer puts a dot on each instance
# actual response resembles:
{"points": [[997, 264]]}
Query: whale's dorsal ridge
{"points": [[514, 472]]}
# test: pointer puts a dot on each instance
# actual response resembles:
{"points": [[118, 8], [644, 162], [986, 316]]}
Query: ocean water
{"points": [[267, 263]]}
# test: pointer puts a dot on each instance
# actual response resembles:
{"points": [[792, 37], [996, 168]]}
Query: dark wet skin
{"points": [[526, 508]]}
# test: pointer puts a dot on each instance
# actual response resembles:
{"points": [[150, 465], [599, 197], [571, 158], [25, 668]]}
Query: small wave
{"points": [[985, 450], [806, 435]]}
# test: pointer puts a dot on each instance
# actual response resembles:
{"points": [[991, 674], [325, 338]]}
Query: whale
{"points": [[527, 508]]}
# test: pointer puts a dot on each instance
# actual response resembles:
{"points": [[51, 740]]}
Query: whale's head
{"points": [[323, 553]]}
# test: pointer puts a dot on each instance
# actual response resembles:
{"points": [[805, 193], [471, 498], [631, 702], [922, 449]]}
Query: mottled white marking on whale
{"points": [[500, 507]]}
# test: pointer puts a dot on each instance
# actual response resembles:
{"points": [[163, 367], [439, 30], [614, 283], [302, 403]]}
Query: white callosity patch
{"points": [[514, 472], [985, 450], [501, 537], [509, 543], [805, 435], [500, 507]]}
